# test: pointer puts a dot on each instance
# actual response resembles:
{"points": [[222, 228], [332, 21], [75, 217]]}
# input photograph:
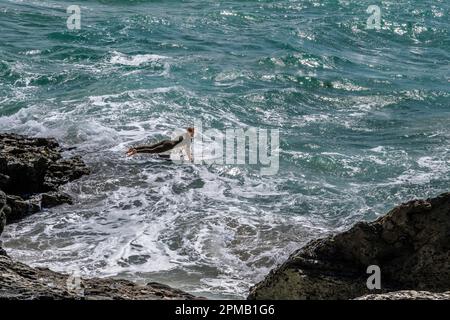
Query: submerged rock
{"points": [[52, 199], [20, 208], [31, 171], [410, 244], [3, 209]]}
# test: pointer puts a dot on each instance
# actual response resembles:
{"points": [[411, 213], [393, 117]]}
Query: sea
{"points": [[357, 91]]}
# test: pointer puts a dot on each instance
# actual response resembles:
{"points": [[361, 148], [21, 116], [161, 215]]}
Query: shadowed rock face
{"points": [[410, 244], [4, 210], [31, 170]]}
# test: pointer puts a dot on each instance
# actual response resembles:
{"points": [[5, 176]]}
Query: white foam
{"points": [[135, 60], [227, 13], [32, 52], [378, 149], [347, 86], [435, 165]]}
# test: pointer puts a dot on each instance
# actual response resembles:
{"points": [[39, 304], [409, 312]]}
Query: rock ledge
{"points": [[410, 244]]}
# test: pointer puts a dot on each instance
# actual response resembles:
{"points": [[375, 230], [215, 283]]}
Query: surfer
{"points": [[164, 147]]}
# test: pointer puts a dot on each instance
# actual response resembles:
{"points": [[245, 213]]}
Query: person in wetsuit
{"points": [[164, 147]]}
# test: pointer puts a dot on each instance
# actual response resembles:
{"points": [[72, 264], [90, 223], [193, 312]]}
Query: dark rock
{"points": [[410, 244], [21, 208], [35, 165], [4, 180], [52, 199], [19, 281], [31, 171], [64, 171], [2, 200], [2, 221], [3, 211]]}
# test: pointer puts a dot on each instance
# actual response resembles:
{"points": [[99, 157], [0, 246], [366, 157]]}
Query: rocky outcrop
{"points": [[19, 281], [410, 245], [4, 210], [31, 171], [407, 295]]}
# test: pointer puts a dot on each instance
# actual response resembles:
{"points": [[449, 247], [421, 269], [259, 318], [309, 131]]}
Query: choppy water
{"points": [[364, 119]]}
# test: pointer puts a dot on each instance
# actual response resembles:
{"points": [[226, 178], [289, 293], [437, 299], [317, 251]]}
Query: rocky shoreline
{"points": [[410, 245], [31, 172]]}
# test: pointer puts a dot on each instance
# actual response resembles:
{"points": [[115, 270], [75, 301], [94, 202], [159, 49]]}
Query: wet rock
{"points": [[2, 213], [4, 210], [35, 165], [20, 208], [52, 199], [410, 244], [32, 170], [64, 171], [19, 281], [2, 200], [2, 221], [4, 180]]}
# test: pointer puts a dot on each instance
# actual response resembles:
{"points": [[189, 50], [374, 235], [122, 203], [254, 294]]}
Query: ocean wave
{"points": [[363, 125], [136, 60]]}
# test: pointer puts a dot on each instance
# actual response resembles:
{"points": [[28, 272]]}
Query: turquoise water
{"points": [[364, 120]]}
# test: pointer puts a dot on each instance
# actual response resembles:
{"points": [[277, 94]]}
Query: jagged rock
{"points": [[20, 208], [64, 171], [2, 209], [410, 244], [53, 199], [19, 281], [31, 171], [35, 165], [407, 295], [2, 221], [2, 200], [4, 180]]}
